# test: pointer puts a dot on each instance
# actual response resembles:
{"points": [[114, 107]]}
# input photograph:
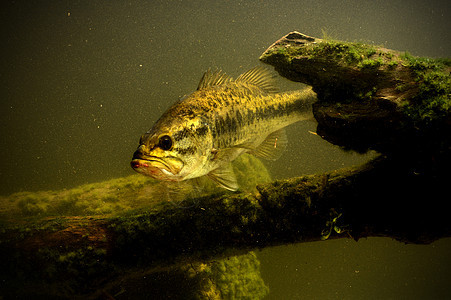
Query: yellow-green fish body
{"points": [[203, 132]]}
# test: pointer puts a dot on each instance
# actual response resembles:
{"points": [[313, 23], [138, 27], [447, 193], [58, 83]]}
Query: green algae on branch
{"points": [[79, 238], [432, 102], [356, 54], [338, 71], [432, 75], [119, 195], [100, 249], [90, 199], [368, 97], [235, 277]]}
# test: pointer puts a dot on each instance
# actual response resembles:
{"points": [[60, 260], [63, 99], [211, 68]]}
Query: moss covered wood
{"points": [[370, 97], [83, 254]]}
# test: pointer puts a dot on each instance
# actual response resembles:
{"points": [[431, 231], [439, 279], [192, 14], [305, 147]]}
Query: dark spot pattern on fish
{"points": [[181, 134], [239, 118], [187, 112], [187, 150], [202, 130], [276, 111], [225, 125]]}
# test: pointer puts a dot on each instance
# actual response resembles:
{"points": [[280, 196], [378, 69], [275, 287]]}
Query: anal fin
{"points": [[273, 146]]}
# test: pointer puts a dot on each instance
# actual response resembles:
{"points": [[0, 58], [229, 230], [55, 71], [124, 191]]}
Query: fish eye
{"points": [[165, 142]]}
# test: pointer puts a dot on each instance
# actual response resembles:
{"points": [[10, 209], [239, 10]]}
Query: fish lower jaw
{"points": [[147, 168]]}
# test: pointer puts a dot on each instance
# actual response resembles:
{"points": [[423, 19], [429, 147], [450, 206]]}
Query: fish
{"points": [[202, 133]]}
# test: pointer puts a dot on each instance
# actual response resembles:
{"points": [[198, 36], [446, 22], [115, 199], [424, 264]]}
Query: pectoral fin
{"points": [[273, 146], [225, 177]]}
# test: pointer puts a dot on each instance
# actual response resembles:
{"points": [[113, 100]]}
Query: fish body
{"points": [[205, 131]]}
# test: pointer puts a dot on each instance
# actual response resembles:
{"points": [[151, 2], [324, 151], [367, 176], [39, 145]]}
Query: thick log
{"points": [[370, 97]]}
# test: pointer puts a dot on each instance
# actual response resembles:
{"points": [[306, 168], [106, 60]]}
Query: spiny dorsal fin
{"points": [[212, 78], [260, 77]]}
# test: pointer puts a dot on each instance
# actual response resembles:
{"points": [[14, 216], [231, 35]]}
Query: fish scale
{"points": [[236, 125]]}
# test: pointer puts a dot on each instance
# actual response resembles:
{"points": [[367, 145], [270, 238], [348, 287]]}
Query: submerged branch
{"points": [[382, 198]]}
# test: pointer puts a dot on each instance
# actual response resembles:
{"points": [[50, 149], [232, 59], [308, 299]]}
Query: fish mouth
{"points": [[154, 167]]}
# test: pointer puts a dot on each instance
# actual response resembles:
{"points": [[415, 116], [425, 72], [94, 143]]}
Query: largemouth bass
{"points": [[205, 131]]}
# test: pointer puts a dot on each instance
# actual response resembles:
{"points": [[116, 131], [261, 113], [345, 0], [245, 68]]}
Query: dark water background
{"points": [[80, 81]]}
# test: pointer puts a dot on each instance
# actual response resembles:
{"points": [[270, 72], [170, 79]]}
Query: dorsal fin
{"points": [[260, 77], [212, 78]]}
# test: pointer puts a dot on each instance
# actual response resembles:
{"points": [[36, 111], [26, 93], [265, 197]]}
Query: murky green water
{"points": [[81, 81]]}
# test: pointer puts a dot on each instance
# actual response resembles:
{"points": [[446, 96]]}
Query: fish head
{"points": [[157, 160], [171, 153]]}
